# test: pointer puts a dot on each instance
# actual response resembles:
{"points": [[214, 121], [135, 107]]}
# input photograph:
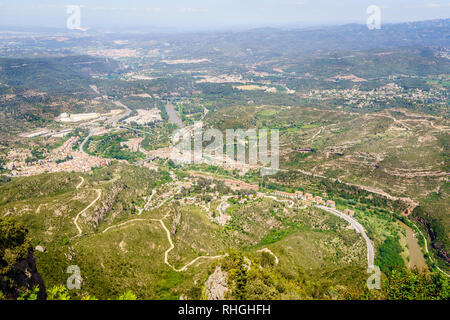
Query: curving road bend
{"points": [[358, 227]]}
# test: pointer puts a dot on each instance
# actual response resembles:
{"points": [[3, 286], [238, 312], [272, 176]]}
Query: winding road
{"points": [[91, 132], [353, 222], [114, 120], [358, 227]]}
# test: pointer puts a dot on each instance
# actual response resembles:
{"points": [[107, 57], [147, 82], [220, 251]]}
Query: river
{"points": [[416, 258]]}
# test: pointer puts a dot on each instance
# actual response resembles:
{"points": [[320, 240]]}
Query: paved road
{"points": [[355, 224], [117, 118], [114, 120], [91, 132], [358, 227]]}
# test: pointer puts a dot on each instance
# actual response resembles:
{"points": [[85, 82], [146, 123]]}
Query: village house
{"points": [[320, 201], [239, 185], [285, 194], [309, 197], [349, 212]]}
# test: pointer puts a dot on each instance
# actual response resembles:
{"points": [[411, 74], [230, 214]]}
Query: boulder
{"points": [[40, 249]]}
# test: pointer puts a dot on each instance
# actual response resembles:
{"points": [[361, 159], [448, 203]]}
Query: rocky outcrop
{"points": [[216, 285], [175, 222], [437, 245], [23, 275], [442, 253], [107, 204], [40, 248]]}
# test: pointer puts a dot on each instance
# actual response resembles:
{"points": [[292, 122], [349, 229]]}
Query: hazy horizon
{"points": [[202, 15]]}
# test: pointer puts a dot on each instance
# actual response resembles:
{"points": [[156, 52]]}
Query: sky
{"points": [[214, 14]]}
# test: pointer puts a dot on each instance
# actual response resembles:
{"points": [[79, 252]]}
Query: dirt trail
{"points": [[416, 174], [122, 224], [75, 221], [314, 136], [166, 254], [389, 116], [404, 121], [411, 203], [81, 183], [169, 238]]}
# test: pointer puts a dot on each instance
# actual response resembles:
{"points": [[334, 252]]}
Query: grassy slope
{"points": [[386, 150], [131, 257]]}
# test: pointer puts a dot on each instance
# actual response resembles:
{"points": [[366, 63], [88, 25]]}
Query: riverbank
{"points": [[416, 256]]}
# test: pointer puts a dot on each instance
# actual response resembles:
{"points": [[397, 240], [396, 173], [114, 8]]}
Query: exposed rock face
{"points": [[176, 222], [216, 285], [107, 204], [247, 264], [23, 274], [437, 245]]}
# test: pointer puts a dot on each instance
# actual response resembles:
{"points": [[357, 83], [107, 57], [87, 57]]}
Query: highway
{"points": [[91, 132], [114, 120], [117, 118]]}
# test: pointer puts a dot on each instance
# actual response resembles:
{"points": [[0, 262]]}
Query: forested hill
{"points": [[54, 74]]}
